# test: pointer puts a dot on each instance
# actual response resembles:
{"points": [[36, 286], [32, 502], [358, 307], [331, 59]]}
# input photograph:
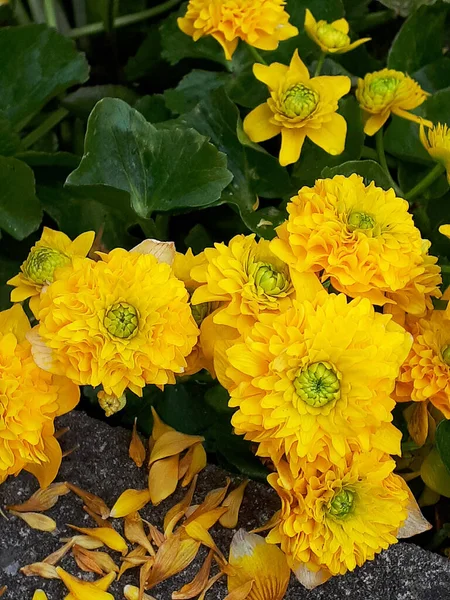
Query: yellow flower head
{"points": [[334, 518], [52, 251], [298, 107], [122, 322], [361, 237], [332, 38], [260, 23], [384, 92], [425, 375], [316, 378], [30, 399], [437, 143]]}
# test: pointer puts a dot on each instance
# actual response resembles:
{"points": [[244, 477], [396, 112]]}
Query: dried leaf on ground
{"points": [[108, 536], [129, 502], [163, 478], [40, 569], [134, 532], [93, 502], [198, 584], [36, 521], [42, 500], [137, 449], [233, 501]]}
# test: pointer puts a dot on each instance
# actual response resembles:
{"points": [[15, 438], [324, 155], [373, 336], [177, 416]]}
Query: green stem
{"points": [[383, 162], [50, 13], [372, 154], [256, 55], [425, 183], [319, 64], [21, 14], [53, 119], [37, 11], [124, 20], [375, 19]]}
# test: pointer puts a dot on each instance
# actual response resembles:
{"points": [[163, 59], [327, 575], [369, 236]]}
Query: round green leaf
{"points": [[443, 442], [435, 474], [368, 169], [82, 102], [127, 161]]}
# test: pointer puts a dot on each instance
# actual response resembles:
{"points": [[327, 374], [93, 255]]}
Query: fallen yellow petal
{"points": [[128, 561], [197, 532], [159, 427], [95, 562], [253, 559], [40, 569], [172, 557], [210, 518], [43, 499], [130, 501], [56, 556], [163, 478], [212, 501], [134, 532], [93, 502], [192, 463], [137, 448], [108, 536], [3, 590], [233, 501], [97, 518], [131, 592], [36, 521], [182, 506], [198, 584], [84, 541], [171, 443], [211, 582], [38, 595], [242, 592], [83, 590]]}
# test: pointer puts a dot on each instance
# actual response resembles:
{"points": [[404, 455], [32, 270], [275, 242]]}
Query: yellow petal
{"points": [[129, 561], [136, 450], [94, 562], [55, 557], [171, 443], [258, 125], [197, 532], [14, 320], [134, 532], [213, 580], [310, 21], [182, 506], [445, 230], [291, 145], [84, 541], [415, 522], [40, 569], [242, 592], [163, 478], [36, 521], [93, 502], [196, 462], [211, 502], [108, 536], [164, 252], [46, 472], [129, 502], [159, 427], [271, 75], [131, 592], [409, 116], [331, 135], [375, 122], [198, 584], [416, 417], [82, 590], [39, 595], [311, 579], [42, 354], [233, 502], [172, 557], [341, 25], [298, 69], [42, 500], [254, 559], [271, 523]]}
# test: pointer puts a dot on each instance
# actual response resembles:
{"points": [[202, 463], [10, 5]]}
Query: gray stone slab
{"points": [[101, 465]]}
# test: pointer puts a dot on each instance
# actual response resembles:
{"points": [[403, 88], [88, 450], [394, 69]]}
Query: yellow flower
{"points": [[30, 399], [362, 238], [334, 518], [316, 378], [425, 375], [122, 322], [52, 251], [437, 143], [259, 23], [331, 37], [384, 92], [445, 230], [298, 107]]}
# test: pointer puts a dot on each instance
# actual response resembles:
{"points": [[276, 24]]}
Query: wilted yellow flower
{"points": [[331, 37], [362, 238], [260, 23], [52, 251], [334, 518], [425, 375], [318, 377], [437, 143], [387, 91], [298, 107], [30, 399], [122, 322]]}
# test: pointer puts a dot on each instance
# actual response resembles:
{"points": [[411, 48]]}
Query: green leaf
{"points": [[48, 64], [443, 442], [9, 140], [153, 108], [435, 76], [62, 160], [435, 474], [192, 88], [20, 210], [264, 221], [82, 102], [410, 174], [127, 161], [368, 169], [8, 268], [420, 40], [147, 61], [198, 239]]}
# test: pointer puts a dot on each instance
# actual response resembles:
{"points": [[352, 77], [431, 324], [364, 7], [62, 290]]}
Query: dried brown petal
{"points": [[84, 541], [93, 502], [3, 590], [143, 576], [137, 448], [198, 584], [209, 585], [40, 569], [98, 520], [97, 562], [134, 532], [156, 536], [55, 557], [173, 556], [43, 499], [182, 506], [128, 560], [36, 521]]}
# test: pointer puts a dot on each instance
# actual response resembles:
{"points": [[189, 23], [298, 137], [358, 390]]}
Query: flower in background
{"points": [[298, 107], [360, 237], [260, 23], [30, 399], [316, 378], [122, 322], [384, 92], [334, 518], [331, 37], [425, 375], [436, 142], [55, 249]]}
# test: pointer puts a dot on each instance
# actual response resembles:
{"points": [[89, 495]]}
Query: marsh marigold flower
{"points": [[55, 249], [317, 377], [298, 107], [30, 399], [334, 518], [362, 238], [260, 23], [425, 375], [122, 322], [332, 38], [437, 143], [387, 92]]}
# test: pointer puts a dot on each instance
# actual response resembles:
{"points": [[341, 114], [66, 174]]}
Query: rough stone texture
{"points": [[101, 465]]}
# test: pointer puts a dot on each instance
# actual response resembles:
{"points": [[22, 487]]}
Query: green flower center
{"points": [[111, 404], [201, 311], [360, 220], [384, 86], [332, 37], [121, 320], [445, 353], [268, 280], [41, 264], [341, 504], [300, 101], [317, 384]]}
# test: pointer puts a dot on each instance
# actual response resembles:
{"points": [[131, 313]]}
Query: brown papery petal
{"points": [[156, 536], [93, 502], [89, 543], [97, 562], [128, 560], [55, 557], [198, 584], [182, 506], [233, 501], [173, 556], [40, 569], [209, 585], [97, 518], [129, 502], [134, 532], [43, 499], [3, 590], [36, 521], [137, 448], [171, 443], [416, 417], [163, 478]]}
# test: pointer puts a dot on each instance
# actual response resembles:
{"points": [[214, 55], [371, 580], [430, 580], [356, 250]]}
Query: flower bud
{"points": [[318, 384], [41, 264], [121, 320], [341, 504], [331, 37], [111, 404], [299, 101]]}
